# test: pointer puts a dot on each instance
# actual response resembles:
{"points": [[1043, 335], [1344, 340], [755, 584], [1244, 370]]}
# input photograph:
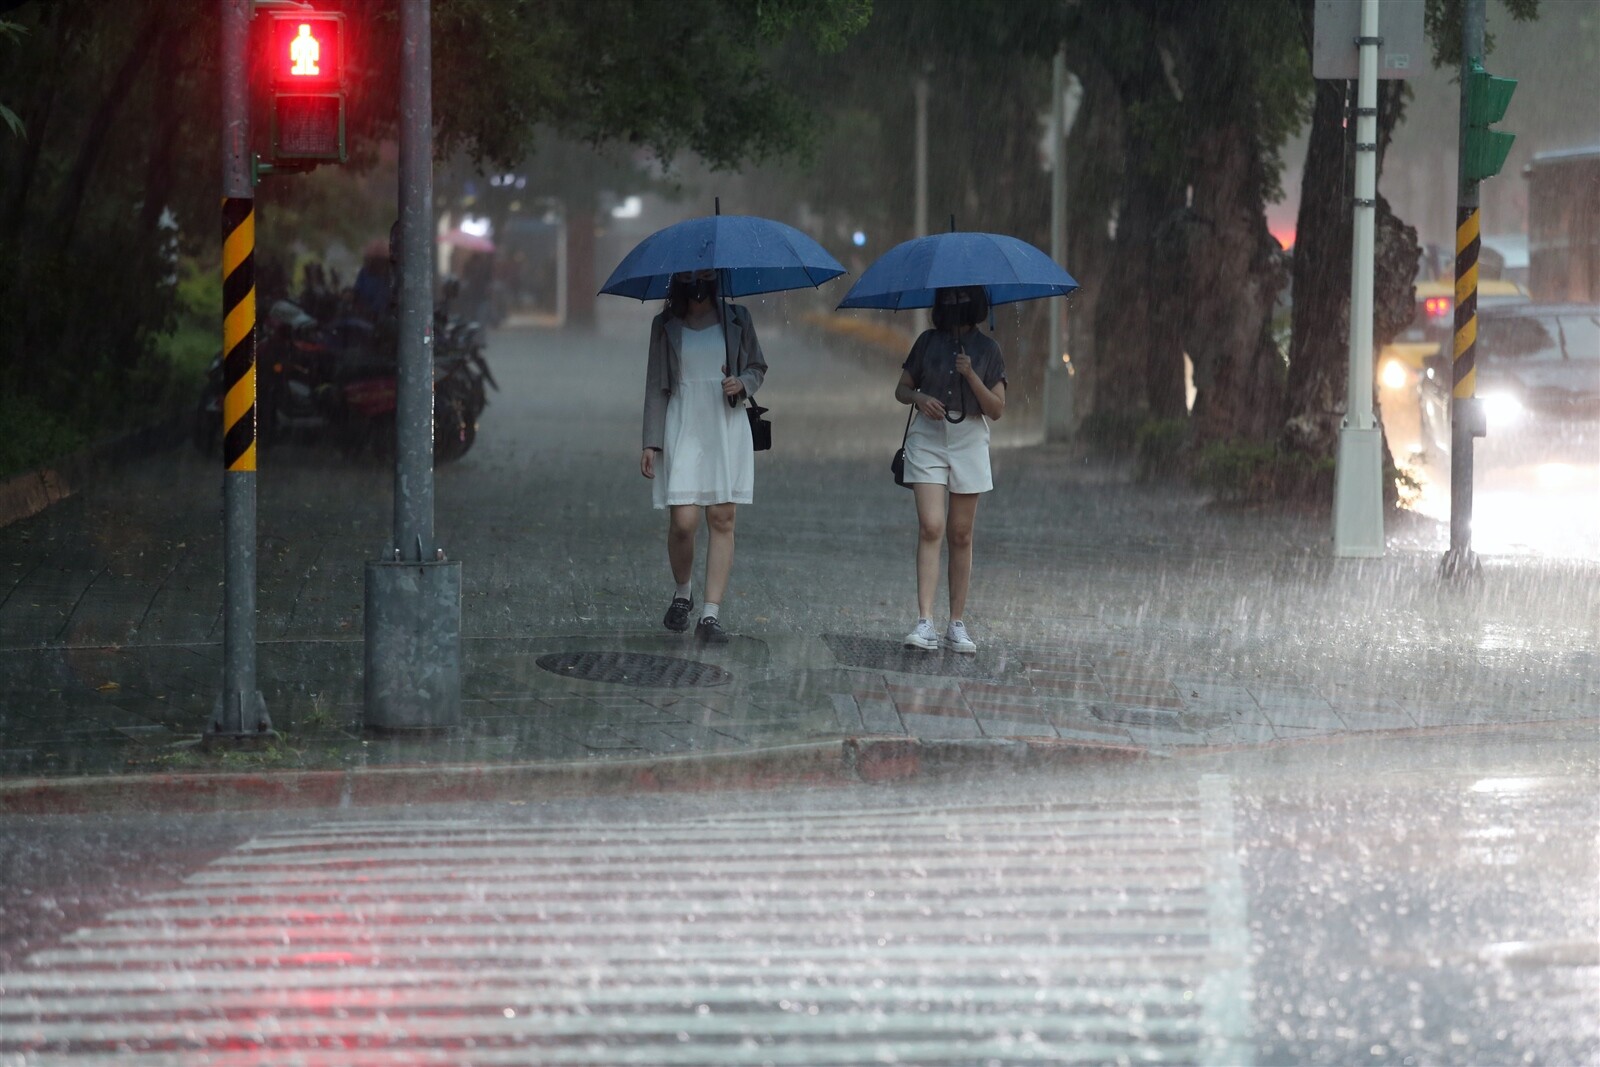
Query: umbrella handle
{"points": [[733, 401]]}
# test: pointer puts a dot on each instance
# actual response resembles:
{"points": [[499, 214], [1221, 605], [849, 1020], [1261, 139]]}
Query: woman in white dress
{"points": [[697, 446]]}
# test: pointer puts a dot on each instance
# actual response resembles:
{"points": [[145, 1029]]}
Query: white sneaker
{"points": [[924, 637], [956, 639]]}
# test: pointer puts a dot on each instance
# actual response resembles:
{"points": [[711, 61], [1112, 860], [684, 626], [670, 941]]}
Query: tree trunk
{"points": [[1237, 368], [1094, 177], [1319, 346], [94, 140], [1319, 339], [1139, 358]]}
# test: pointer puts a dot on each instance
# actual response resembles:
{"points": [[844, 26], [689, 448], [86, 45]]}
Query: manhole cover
{"points": [[881, 654], [634, 668]]}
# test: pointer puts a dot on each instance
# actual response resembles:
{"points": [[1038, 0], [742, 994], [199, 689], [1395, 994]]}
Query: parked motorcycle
{"points": [[337, 382]]}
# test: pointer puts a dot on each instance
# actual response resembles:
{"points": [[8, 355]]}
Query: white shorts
{"points": [[955, 454]]}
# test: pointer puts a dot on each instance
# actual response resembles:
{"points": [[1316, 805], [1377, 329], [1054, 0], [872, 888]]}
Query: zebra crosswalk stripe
{"points": [[1007, 934]]}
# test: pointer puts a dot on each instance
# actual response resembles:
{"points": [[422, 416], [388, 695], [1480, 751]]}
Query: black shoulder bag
{"points": [[760, 429], [898, 465]]}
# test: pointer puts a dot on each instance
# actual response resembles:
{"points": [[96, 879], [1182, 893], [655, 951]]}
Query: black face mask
{"points": [[960, 313], [701, 289]]}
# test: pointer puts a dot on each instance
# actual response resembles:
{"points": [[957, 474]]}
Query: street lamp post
{"points": [[1358, 485]]}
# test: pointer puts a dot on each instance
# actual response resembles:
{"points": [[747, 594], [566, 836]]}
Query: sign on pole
{"points": [[1402, 53]]}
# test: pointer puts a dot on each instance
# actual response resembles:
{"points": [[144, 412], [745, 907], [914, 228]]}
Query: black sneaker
{"points": [[677, 618], [710, 632]]}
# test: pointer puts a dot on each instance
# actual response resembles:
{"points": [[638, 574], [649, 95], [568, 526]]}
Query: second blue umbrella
{"points": [[908, 275]]}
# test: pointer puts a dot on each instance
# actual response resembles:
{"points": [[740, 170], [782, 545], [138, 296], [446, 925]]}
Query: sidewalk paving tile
{"points": [[1305, 717], [1376, 720], [1098, 735], [847, 713], [940, 727], [1004, 728], [881, 717]]}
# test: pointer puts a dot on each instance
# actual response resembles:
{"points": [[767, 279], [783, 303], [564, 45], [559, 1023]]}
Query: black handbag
{"points": [[760, 429], [898, 464]]}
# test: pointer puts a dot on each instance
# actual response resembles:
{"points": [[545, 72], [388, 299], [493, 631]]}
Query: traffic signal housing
{"points": [[306, 68], [1484, 151]]}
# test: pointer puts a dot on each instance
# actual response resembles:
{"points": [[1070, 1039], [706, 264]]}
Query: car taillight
{"points": [[1438, 307]]}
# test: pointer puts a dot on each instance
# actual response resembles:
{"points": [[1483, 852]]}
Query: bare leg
{"points": [[719, 550], [683, 524], [930, 533], [963, 510]]}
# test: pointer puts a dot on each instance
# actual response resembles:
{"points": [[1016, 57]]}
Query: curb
{"points": [[850, 761], [24, 495]]}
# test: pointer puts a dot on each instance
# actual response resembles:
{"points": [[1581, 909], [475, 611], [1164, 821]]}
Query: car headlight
{"points": [[1502, 409], [1394, 374]]}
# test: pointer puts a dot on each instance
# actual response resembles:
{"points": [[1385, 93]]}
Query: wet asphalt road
{"points": [[1386, 902]]}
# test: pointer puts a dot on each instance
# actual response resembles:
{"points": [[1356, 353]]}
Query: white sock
{"points": [[921, 620], [710, 611], [683, 591]]}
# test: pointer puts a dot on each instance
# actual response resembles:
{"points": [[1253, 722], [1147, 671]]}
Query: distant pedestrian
{"points": [[697, 444], [955, 377]]}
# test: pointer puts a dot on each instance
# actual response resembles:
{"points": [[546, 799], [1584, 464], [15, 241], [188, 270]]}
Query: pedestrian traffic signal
{"points": [[306, 66], [1484, 151]]}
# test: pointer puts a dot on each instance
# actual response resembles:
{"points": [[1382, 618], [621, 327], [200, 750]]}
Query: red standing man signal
{"points": [[307, 70]]}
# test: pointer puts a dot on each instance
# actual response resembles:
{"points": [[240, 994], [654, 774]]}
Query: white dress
{"points": [[707, 456]]}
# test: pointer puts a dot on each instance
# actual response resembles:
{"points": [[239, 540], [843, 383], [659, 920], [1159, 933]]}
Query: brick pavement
{"points": [[1109, 614]]}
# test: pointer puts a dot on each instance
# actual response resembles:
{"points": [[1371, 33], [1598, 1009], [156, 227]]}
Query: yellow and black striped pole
{"points": [[1466, 414], [1464, 376], [240, 712], [238, 334]]}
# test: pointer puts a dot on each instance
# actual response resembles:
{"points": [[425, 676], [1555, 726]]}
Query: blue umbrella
{"points": [[750, 254], [908, 275]]}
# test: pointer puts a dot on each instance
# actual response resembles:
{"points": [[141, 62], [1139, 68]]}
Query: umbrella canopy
{"points": [[908, 275], [467, 242], [750, 254]]}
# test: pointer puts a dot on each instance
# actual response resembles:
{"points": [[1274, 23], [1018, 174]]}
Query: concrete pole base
{"points": [[239, 717], [1460, 563], [413, 646], [1358, 494]]}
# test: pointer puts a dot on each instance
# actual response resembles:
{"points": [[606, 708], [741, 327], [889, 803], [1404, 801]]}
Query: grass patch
{"points": [[1158, 449], [1111, 434], [33, 436], [1244, 472], [185, 351]]}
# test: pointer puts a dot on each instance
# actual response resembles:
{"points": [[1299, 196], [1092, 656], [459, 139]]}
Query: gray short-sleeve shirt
{"points": [[932, 366]]}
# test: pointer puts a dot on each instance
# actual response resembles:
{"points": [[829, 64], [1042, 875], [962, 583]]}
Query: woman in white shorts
{"points": [[697, 446], [955, 377]]}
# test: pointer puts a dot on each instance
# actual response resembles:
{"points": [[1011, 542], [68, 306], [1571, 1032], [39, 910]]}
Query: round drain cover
{"points": [[634, 668]]}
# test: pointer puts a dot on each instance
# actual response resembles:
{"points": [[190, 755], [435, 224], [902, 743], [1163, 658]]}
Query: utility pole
{"points": [[1358, 482], [1058, 383], [413, 597], [1482, 153], [921, 221], [240, 712]]}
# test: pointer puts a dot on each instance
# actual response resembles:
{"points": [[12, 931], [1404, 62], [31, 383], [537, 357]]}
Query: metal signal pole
{"points": [[240, 712], [413, 602], [1467, 420]]}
